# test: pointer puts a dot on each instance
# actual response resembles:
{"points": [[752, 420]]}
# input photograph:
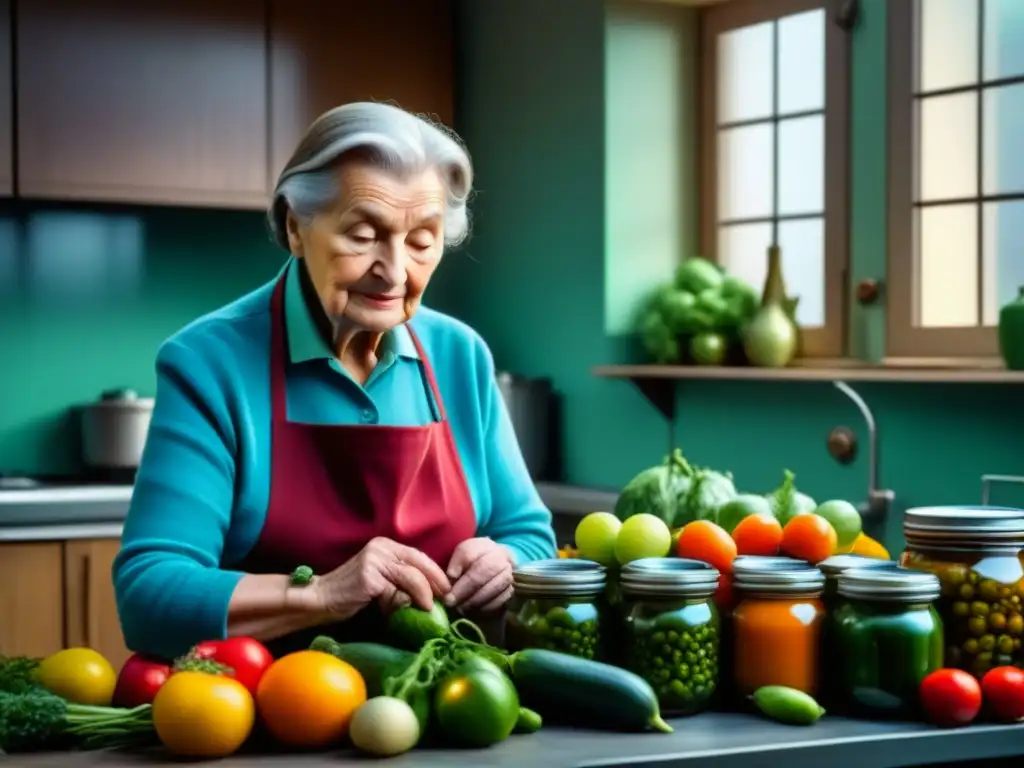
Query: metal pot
{"points": [[114, 430], [530, 404]]}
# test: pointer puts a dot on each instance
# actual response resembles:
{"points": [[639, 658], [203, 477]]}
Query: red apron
{"points": [[333, 488]]}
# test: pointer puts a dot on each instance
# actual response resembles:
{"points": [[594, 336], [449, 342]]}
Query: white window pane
{"points": [[745, 177], [948, 266], [746, 58], [949, 43], [1002, 263], [1004, 39], [949, 146], [803, 266], [802, 165], [1003, 123], [743, 251], [802, 62]]}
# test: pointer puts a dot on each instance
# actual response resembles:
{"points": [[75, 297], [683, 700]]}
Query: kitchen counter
{"points": [[98, 512], [722, 740]]}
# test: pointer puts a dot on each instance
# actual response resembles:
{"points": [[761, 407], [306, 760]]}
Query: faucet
{"points": [[875, 509]]}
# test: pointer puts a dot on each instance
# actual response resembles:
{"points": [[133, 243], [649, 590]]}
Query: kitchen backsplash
{"points": [[86, 297]]}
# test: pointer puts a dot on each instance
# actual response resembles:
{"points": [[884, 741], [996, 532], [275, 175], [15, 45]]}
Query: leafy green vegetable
{"points": [[787, 502], [36, 719], [658, 340], [696, 275], [17, 673], [660, 490], [709, 491]]}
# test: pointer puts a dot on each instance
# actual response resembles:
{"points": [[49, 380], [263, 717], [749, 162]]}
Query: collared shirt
{"points": [[201, 493]]}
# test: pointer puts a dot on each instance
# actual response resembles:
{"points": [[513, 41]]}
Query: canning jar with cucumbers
{"points": [[777, 625], [884, 638], [672, 629], [557, 605], [978, 555]]}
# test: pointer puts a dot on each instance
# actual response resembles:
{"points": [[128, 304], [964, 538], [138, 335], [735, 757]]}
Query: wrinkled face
{"points": [[371, 255]]}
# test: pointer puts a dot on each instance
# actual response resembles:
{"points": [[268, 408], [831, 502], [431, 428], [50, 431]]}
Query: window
{"points": [[956, 208], [774, 138]]}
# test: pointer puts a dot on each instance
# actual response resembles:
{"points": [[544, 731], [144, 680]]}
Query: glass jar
{"points": [[886, 637], [556, 605], [976, 552], [672, 629], [777, 625], [833, 566]]}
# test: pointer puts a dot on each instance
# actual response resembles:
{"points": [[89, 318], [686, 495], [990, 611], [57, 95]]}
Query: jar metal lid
{"points": [[777, 575], [559, 576], [890, 585], [964, 525], [669, 577], [835, 565]]}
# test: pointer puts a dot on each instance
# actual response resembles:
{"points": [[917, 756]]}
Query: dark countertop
{"points": [[724, 740]]}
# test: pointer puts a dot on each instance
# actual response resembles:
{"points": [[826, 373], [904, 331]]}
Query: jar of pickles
{"points": [[887, 637], [672, 629], [976, 552], [834, 566], [556, 605], [777, 624]]}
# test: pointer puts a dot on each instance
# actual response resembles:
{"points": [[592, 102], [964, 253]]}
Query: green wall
{"points": [[533, 280], [86, 297]]}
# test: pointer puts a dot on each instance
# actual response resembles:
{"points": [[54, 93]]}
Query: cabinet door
{"points": [[326, 54], [31, 599], [91, 609], [6, 102], [157, 102]]}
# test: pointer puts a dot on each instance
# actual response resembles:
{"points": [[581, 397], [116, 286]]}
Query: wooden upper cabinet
{"points": [[6, 101], [163, 101], [323, 54]]}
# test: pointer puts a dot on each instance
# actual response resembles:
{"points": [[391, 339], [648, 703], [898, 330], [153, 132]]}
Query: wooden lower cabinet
{"points": [[57, 595]]}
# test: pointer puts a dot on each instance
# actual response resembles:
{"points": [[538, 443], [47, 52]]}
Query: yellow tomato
{"points": [[198, 714], [865, 546], [80, 675]]}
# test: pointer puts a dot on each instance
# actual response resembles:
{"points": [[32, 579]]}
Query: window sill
{"points": [[657, 382]]}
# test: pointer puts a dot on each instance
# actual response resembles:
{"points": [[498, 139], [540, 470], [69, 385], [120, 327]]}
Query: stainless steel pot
{"points": [[114, 430], [530, 405]]}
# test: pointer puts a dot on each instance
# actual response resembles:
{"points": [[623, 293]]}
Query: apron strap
{"points": [[428, 371]]}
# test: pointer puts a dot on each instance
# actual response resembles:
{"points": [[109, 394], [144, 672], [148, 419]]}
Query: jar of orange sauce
{"points": [[777, 624]]}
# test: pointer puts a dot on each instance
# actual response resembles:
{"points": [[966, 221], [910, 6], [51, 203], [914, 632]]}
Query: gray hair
{"points": [[388, 137]]}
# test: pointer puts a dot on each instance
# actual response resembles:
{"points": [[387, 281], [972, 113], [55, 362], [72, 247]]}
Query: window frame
{"points": [[829, 340], [903, 338]]}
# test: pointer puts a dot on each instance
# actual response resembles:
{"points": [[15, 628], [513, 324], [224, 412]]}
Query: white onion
{"points": [[384, 726]]}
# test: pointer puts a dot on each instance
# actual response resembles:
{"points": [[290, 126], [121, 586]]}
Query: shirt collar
{"points": [[305, 342]]}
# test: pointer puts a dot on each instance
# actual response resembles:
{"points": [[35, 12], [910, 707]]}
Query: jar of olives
{"points": [[556, 605], [976, 552], [885, 637], [672, 627]]}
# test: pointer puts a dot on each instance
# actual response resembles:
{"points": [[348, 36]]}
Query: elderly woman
{"points": [[329, 420]]}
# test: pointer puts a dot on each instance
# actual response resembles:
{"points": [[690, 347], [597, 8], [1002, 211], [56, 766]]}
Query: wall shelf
{"points": [[657, 382]]}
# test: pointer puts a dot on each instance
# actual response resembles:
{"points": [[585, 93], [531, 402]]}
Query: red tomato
{"points": [[1004, 693], [139, 680], [247, 658], [951, 697]]}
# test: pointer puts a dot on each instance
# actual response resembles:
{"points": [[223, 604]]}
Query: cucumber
{"points": [[374, 661], [528, 721], [560, 686], [787, 705]]}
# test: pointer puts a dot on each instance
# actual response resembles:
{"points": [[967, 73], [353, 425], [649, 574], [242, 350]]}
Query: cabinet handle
{"points": [[87, 612]]}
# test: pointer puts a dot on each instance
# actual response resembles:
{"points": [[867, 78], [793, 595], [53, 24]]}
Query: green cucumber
{"points": [[787, 705], [374, 661], [560, 686], [411, 627], [528, 721]]}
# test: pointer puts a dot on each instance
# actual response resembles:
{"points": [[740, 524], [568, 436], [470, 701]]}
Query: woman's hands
{"points": [[481, 574], [386, 571]]}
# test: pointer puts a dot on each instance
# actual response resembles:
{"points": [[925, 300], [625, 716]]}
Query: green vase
{"points": [[1011, 333]]}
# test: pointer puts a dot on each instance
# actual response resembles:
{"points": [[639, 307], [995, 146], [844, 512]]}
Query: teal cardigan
{"points": [[200, 497]]}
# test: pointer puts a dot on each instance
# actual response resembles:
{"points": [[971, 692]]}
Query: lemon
{"points": [[596, 535], [80, 675], [642, 535]]}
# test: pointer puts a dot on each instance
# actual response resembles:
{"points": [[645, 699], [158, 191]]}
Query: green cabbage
{"points": [[709, 491], [787, 502], [660, 490]]}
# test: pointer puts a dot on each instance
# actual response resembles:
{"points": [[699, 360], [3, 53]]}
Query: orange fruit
{"points": [[703, 540], [759, 534], [865, 546], [809, 537], [306, 699]]}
